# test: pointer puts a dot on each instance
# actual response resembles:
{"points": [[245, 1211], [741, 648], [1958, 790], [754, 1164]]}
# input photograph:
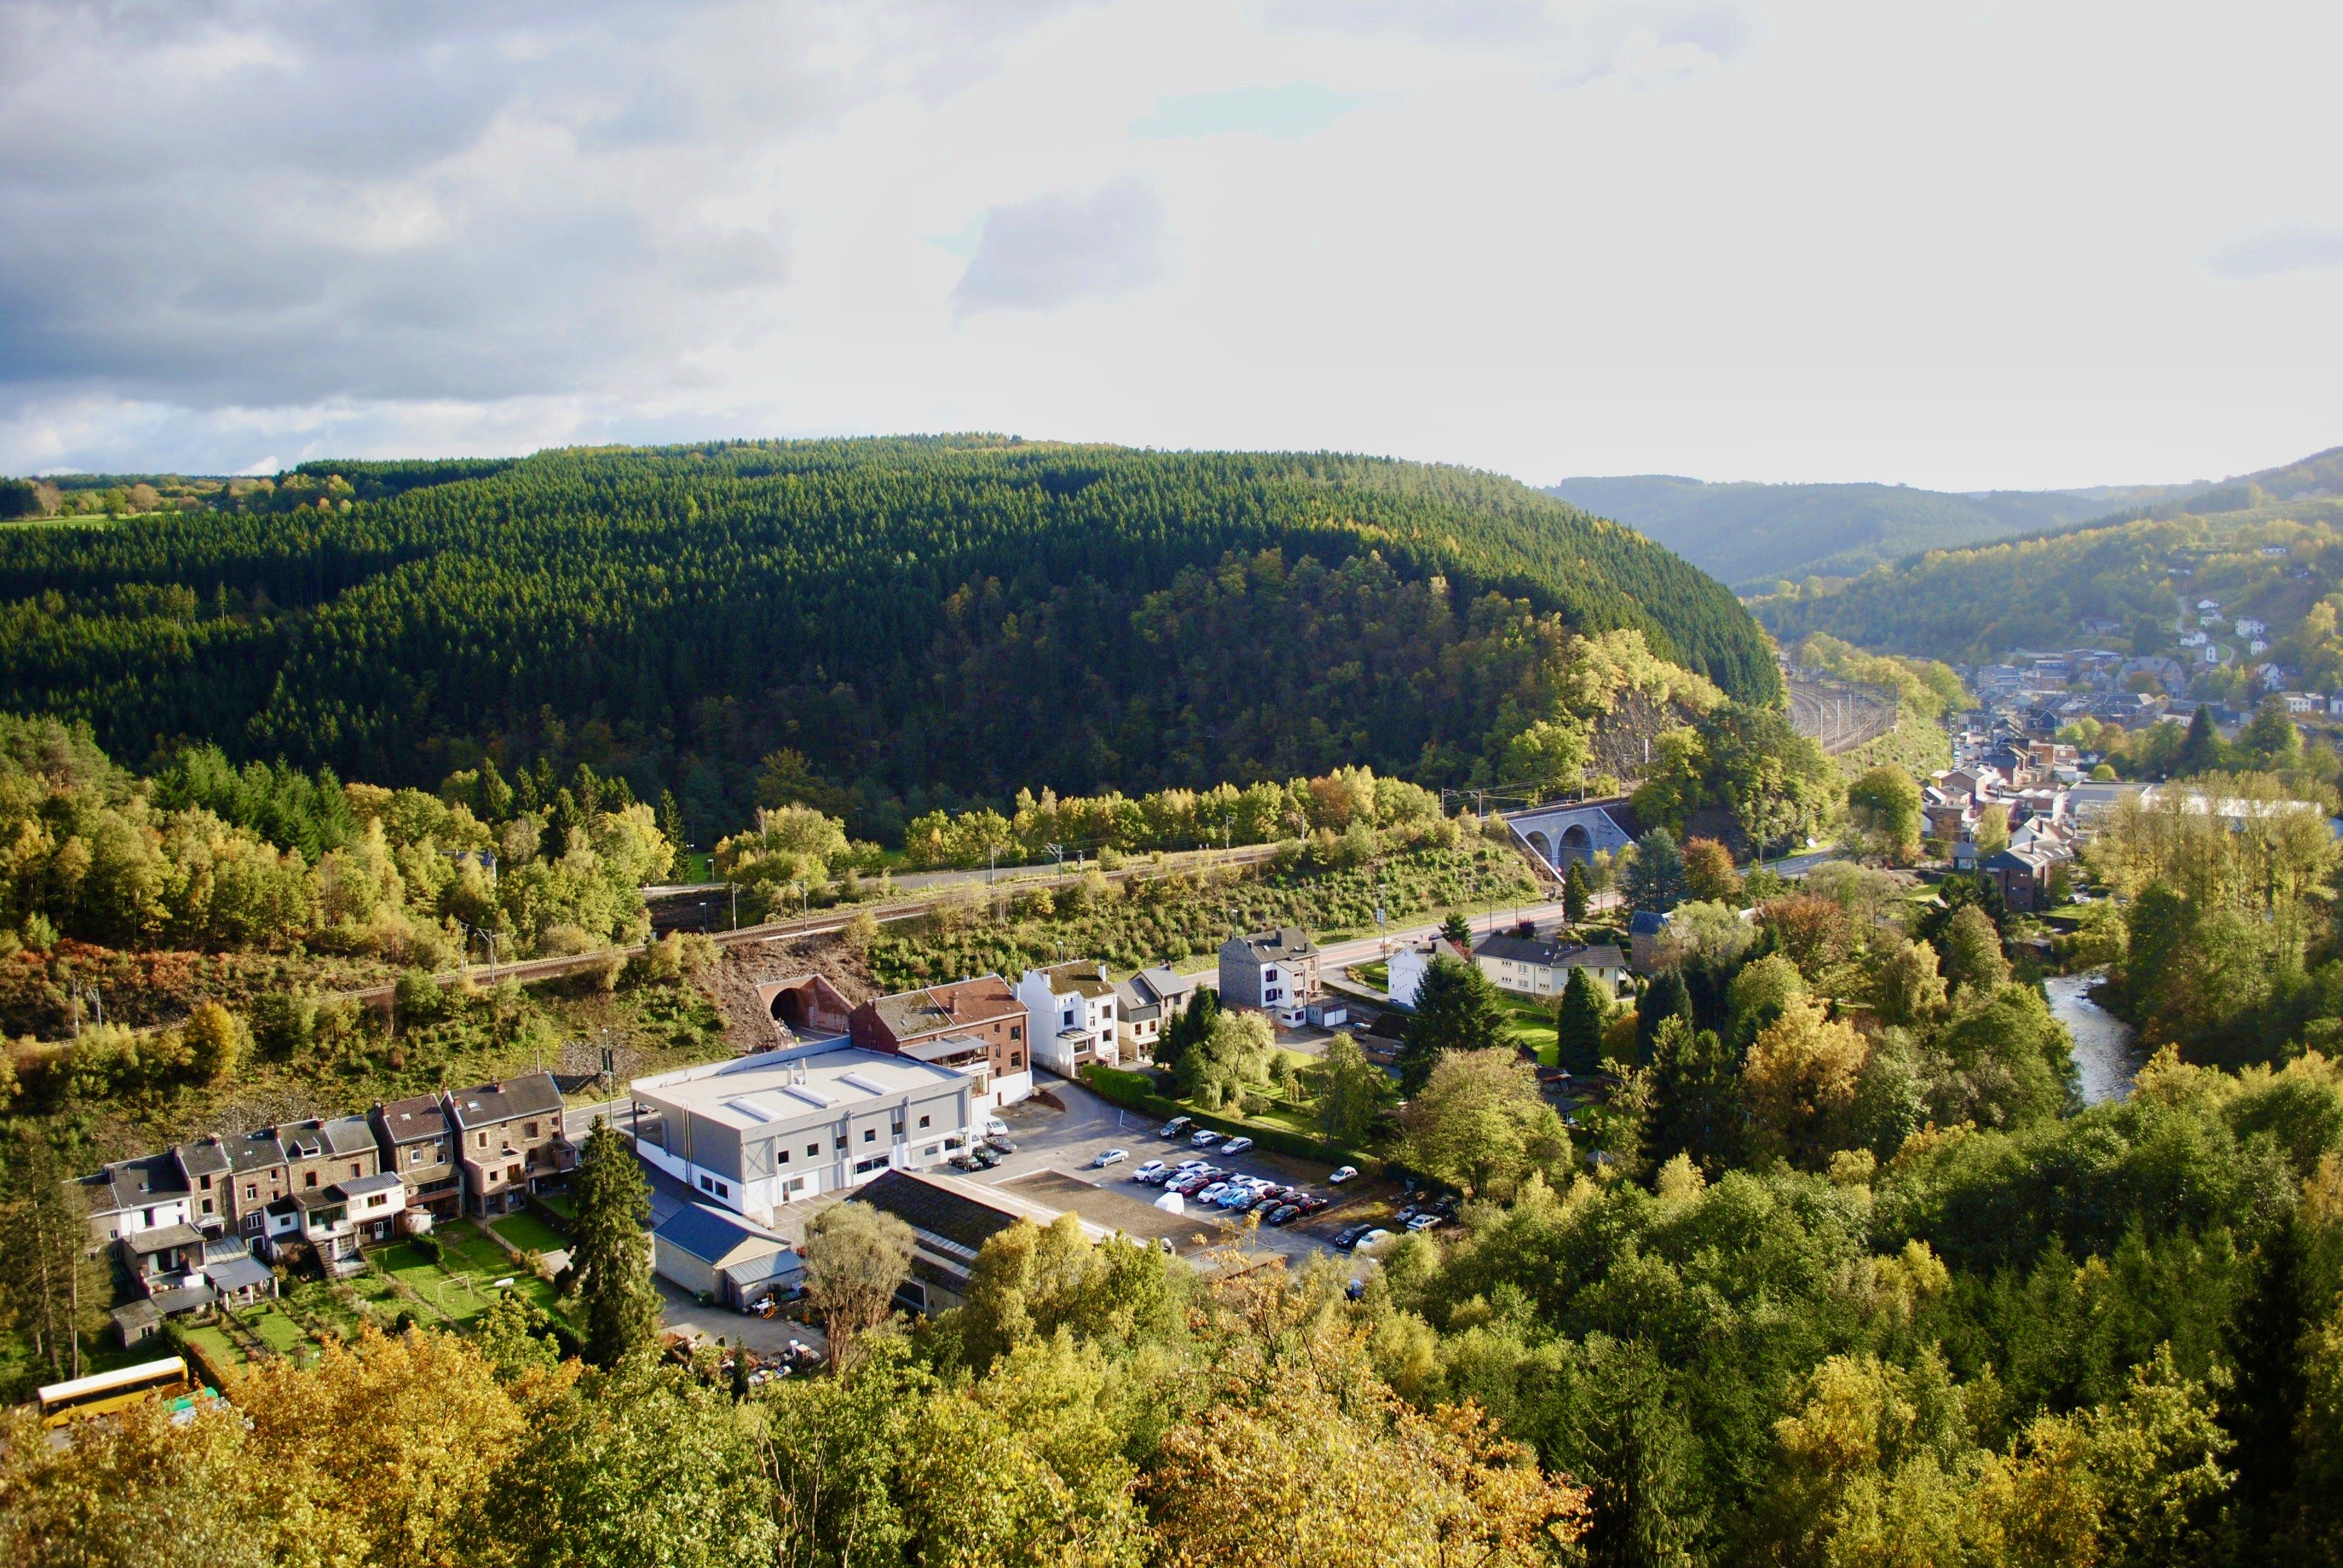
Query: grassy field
{"points": [[529, 1233], [280, 1333], [217, 1349]]}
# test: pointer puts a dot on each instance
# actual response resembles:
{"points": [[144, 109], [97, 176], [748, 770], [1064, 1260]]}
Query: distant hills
{"points": [[2139, 581], [1755, 535]]}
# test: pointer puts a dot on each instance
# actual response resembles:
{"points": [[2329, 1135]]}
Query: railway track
{"points": [[1840, 716]]}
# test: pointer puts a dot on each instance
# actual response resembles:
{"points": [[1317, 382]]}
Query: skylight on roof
{"points": [[810, 1095], [749, 1109], [868, 1086]]}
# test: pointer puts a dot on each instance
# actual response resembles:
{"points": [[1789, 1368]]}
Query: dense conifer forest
{"points": [[927, 622]]}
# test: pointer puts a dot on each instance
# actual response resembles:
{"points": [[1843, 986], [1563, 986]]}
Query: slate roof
{"points": [[712, 1234], [407, 1120], [205, 1157], [242, 1272], [925, 1206], [135, 1183], [1286, 942], [256, 1151], [531, 1094], [360, 1186], [1647, 923], [163, 1237], [1548, 951]]}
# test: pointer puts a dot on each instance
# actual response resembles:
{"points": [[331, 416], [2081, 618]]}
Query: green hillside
{"points": [[1756, 536], [2121, 583], [924, 620]]}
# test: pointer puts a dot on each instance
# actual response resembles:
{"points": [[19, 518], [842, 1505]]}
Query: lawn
{"points": [[462, 1247], [219, 1351], [529, 1233], [280, 1333], [1532, 1025]]}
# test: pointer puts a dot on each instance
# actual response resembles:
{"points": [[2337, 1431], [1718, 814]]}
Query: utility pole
{"points": [[735, 889]]}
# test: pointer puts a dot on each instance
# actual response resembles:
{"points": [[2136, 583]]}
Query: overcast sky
{"points": [[1962, 246]]}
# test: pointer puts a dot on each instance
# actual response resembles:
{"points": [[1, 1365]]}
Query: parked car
{"points": [[985, 1158], [1152, 1173], [1446, 1207], [999, 1144], [1265, 1205], [1407, 1212], [1176, 1127], [1311, 1202], [1236, 1145], [1211, 1194], [995, 1128], [1283, 1214], [1351, 1236], [1107, 1157], [1204, 1139], [1373, 1239], [1426, 1221], [1347, 1173], [966, 1163]]}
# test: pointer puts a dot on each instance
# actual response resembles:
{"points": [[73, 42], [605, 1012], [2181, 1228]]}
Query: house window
{"points": [[923, 1121], [780, 1155], [308, 1178], [353, 1169], [251, 1191], [813, 1151], [896, 1127], [1015, 1032], [531, 1130], [707, 1184], [207, 1183], [484, 1141], [722, 1190], [415, 1157], [840, 1141], [1016, 1061], [870, 1135], [512, 1174], [1066, 1019], [207, 1205]]}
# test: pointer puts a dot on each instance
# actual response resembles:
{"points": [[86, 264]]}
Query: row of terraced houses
{"points": [[198, 1223]]}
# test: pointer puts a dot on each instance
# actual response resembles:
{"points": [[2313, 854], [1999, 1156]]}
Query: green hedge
{"points": [[1136, 1091]]}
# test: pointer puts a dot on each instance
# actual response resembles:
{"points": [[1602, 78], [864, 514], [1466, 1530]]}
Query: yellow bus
{"points": [[111, 1391]]}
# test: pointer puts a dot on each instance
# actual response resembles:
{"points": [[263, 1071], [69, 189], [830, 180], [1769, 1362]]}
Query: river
{"points": [[2104, 1052]]}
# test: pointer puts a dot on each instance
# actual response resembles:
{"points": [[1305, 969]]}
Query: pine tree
{"points": [[2202, 751], [1188, 1028], [1665, 998], [1578, 1025], [1577, 892], [611, 1251], [1458, 929], [1457, 1008]]}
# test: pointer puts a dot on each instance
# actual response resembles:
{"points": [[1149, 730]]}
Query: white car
{"points": [[995, 1128], [1213, 1194], [1347, 1173], [1236, 1146], [1372, 1240], [1107, 1157], [1149, 1170]]}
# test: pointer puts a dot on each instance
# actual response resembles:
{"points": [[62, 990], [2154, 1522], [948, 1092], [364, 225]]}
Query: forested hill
{"points": [[2130, 582], [1756, 536], [925, 621]]}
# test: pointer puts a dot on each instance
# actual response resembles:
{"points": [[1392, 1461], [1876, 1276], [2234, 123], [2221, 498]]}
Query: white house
{"points": [[1071, 1015], [2193, 639], [1541, 966], [2249, 626], [1409, 964]]}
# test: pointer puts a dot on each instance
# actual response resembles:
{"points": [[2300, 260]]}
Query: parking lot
{"points": [[1068, 1140]]}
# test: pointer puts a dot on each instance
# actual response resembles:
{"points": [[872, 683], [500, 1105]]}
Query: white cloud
{"points": [[2279, 249], [1054, 250], [1779, 240]]}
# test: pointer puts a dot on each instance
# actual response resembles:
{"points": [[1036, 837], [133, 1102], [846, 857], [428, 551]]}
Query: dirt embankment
{"points": [[733, 981]]}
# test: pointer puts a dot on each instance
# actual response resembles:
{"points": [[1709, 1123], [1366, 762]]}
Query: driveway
{"points": [[766, 1336]]}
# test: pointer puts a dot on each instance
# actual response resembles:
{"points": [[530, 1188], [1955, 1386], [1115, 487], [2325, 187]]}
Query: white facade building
{"points": [[762, 1131], [1071, 1016]]}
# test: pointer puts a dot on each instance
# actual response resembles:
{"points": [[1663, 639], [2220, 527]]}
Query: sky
{"points": [[1963, 246]]}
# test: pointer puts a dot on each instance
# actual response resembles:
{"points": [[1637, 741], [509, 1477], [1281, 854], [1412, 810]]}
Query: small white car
{"points": [[1347, 1173], [1107, 1157], [1372, 1240], [1152, 1169], [1213, 1194], [995, 1128], [1236, 1146]]}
